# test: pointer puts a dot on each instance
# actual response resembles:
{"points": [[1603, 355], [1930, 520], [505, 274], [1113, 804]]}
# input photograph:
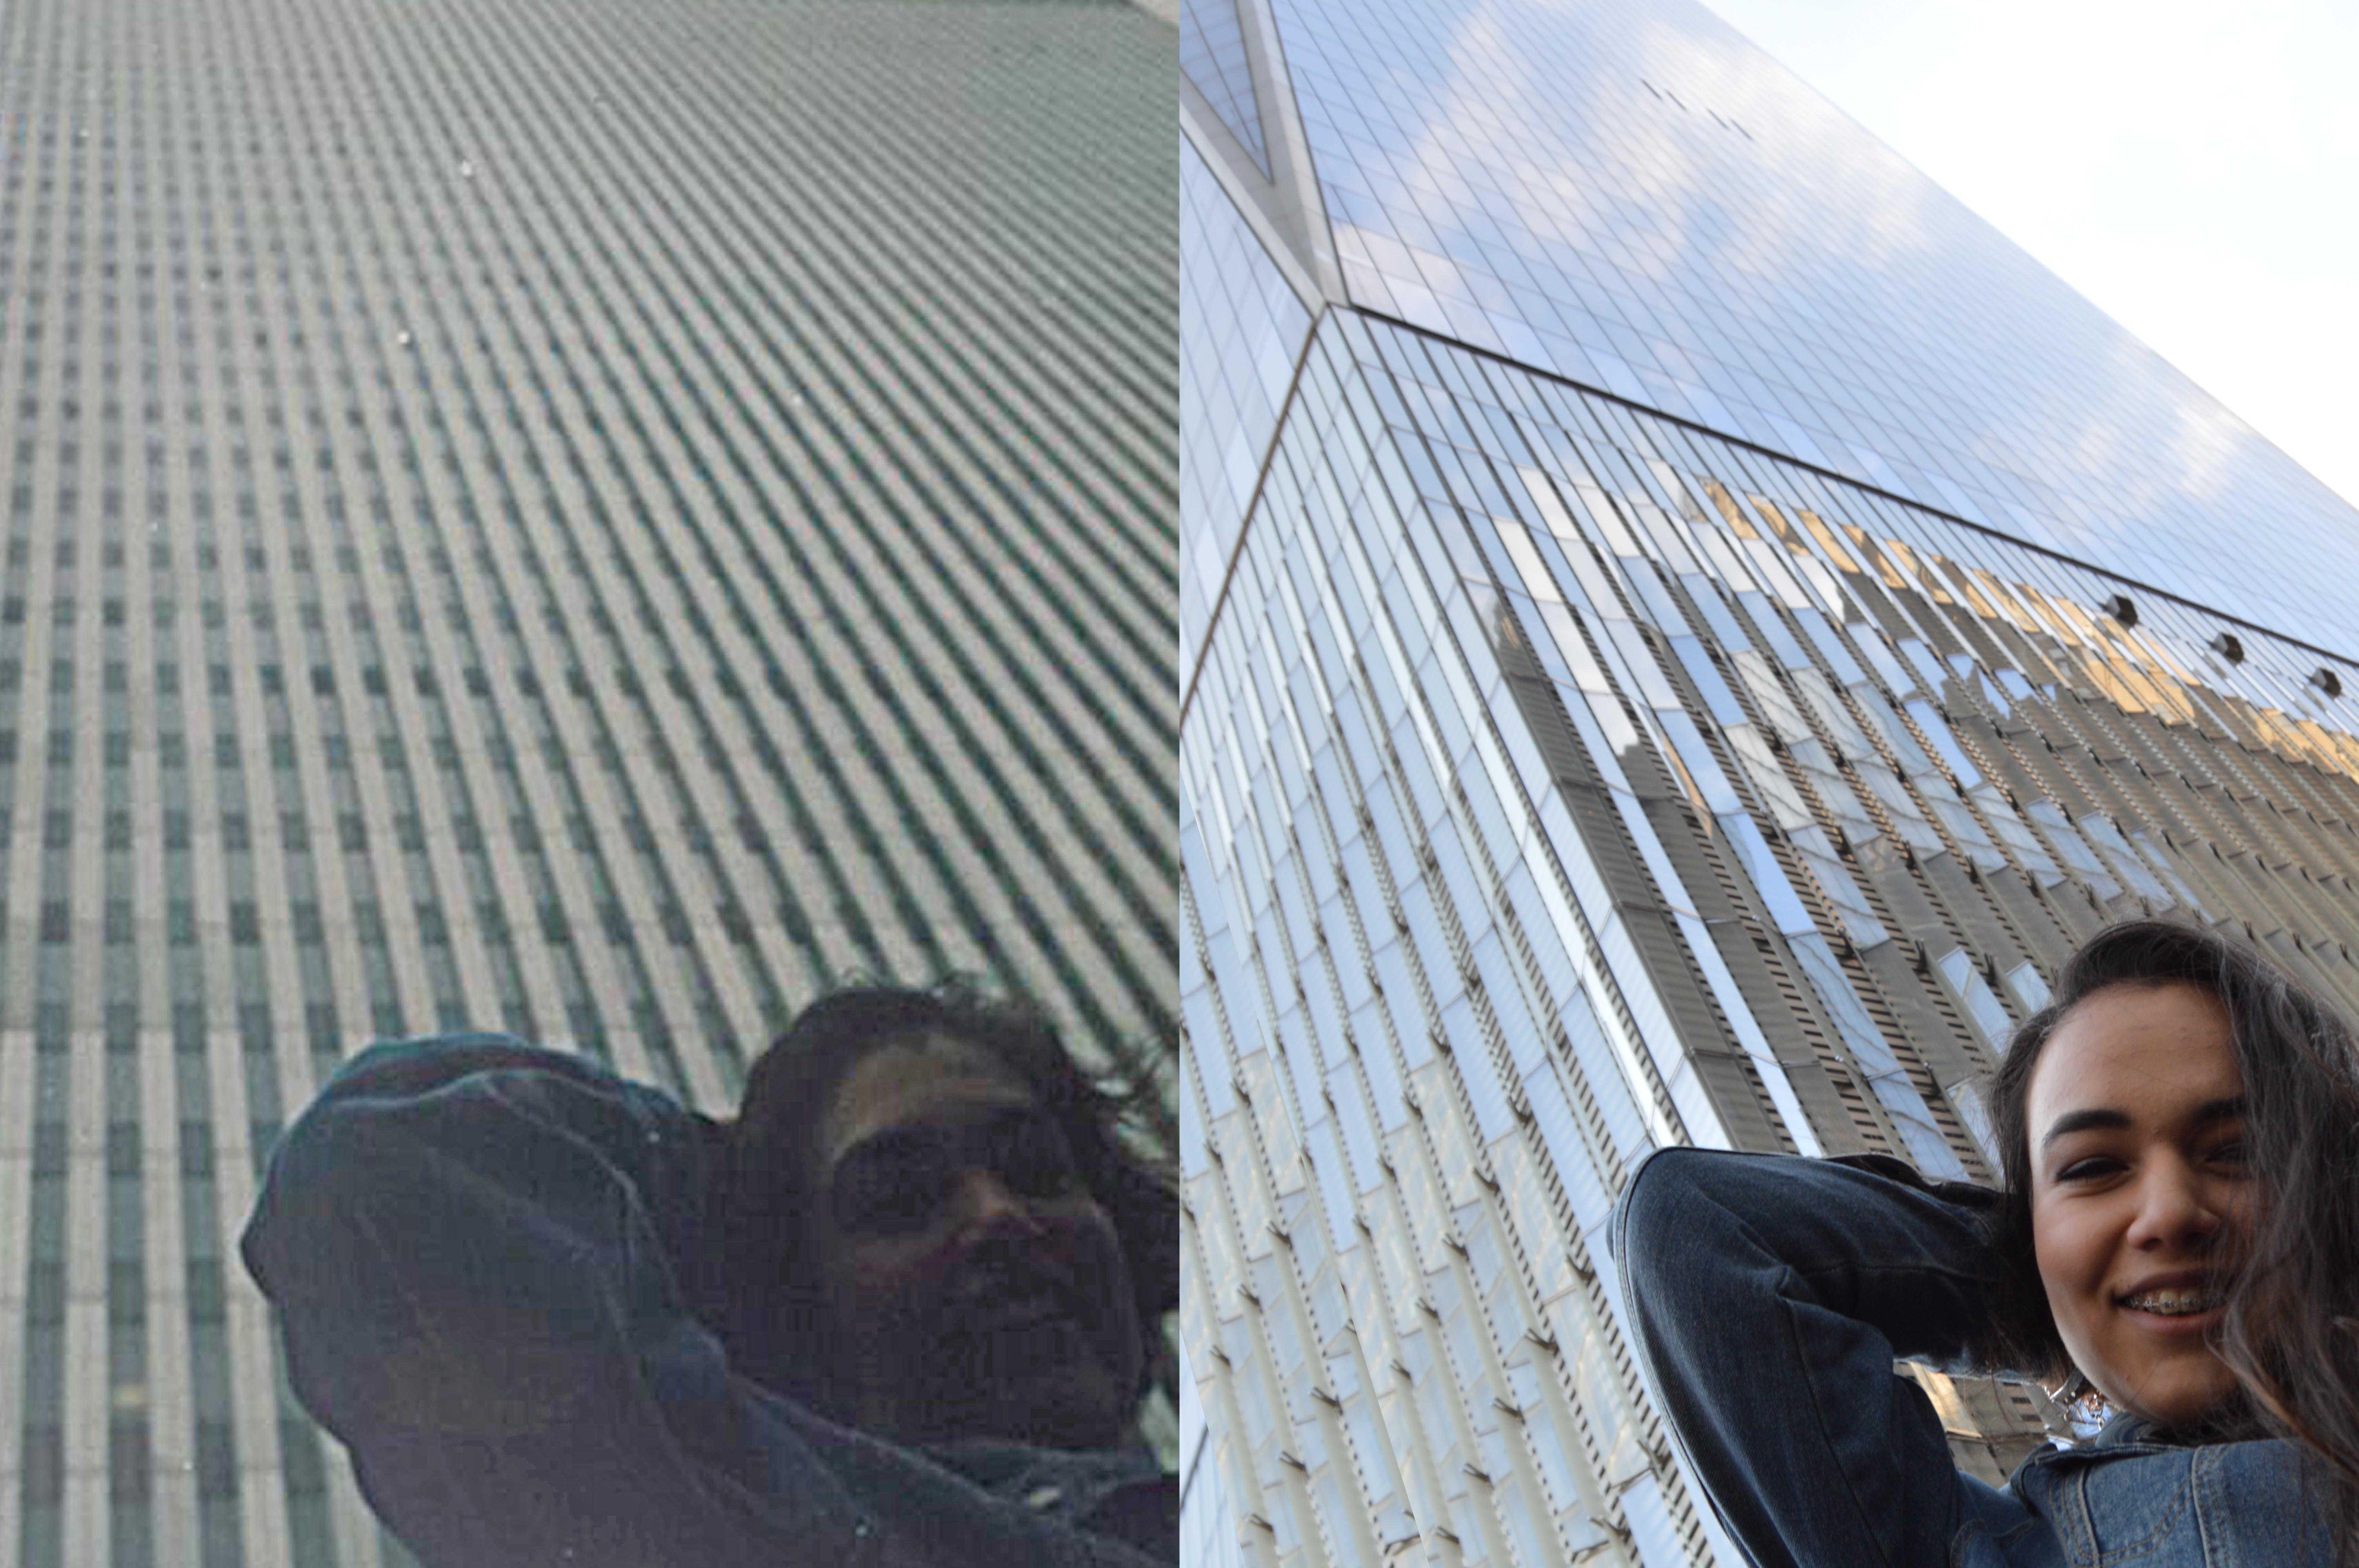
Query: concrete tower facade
{"points": [[593, 520]]}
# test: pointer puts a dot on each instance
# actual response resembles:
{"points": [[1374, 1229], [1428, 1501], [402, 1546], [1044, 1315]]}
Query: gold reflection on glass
{"points": [[1778, 525], [2006, 601], [2159, 656], [2312, 739], [1957, 575], [1687, 781], [1875, 557], [2057, 626], [1728, 509], [2083, 626], [2124, 655], [1931, 584], [1827, 542]]}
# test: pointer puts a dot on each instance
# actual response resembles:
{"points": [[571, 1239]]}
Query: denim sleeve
{"points": [[481, 1255], [1770, 1296]]}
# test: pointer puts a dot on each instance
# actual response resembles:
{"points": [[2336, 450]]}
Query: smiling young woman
{"points": [[2178, 1232]]}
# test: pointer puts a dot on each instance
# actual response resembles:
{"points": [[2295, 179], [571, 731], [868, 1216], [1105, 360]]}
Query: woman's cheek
{"points": [[2062, 1245], [885, 1271]]}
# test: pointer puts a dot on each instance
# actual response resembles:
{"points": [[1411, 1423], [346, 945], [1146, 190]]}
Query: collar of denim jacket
{"points": [[2127, 1428]]}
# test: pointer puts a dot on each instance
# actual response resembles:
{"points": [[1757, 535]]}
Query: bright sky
{"points": [[2191, 166]]}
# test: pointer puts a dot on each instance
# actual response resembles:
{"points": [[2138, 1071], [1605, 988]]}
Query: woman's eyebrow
{"points": [[2226, 1108], [2073, 1122], [888, 1147], [894, 1143], [1023, 1116]]}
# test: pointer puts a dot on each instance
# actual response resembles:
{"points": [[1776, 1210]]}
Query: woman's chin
{"points": [[1037, 1383], [2188, 1393]]}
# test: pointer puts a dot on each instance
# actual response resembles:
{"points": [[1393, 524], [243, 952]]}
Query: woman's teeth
{"points": [[2174, 1303]]}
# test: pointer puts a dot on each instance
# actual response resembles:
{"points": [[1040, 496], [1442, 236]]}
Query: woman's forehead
{"points": [[2130, 1046], [929, 1080]]}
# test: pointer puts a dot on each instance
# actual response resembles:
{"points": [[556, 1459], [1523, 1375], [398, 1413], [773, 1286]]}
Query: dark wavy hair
{"points": [[774, 1317], [2290, 1332]]}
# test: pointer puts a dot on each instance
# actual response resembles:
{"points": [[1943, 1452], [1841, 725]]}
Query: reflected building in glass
{"points": [[1683, 628], [593, 524]]}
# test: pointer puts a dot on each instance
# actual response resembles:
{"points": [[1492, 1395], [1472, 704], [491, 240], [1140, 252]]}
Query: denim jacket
{"points": [[1768, 1297], [494, 1278]]}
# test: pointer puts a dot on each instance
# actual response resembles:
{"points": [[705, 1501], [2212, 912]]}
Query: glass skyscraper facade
{"points": [[592, 520], [1683, 628]]}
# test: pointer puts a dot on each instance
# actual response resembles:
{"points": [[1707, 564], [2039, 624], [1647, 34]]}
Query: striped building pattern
{"points": [[1564, 776], [592, 520]]}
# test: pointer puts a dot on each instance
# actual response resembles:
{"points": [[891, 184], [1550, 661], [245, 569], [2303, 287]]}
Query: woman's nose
{"points": [[984, 1204], [2175, 1209]]}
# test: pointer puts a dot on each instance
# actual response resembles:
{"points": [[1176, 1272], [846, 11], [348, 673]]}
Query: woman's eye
{"points": [[2230, 1154], [888, 1211], [889, 1197], [1034, 1160], [2085, 1170]]}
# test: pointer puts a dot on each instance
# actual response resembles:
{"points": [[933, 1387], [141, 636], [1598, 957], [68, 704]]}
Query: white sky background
{"points": [[2191, 166]]}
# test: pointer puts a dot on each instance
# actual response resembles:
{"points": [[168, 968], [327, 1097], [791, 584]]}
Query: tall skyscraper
{"points": [[592, 520], [1683, 628]]}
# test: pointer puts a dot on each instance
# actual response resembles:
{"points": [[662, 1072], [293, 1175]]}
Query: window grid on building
{"points": [[1562, 781]]}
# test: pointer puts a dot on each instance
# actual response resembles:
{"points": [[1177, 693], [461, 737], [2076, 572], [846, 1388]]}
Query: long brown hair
{"points": [[2290, 1332]]}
